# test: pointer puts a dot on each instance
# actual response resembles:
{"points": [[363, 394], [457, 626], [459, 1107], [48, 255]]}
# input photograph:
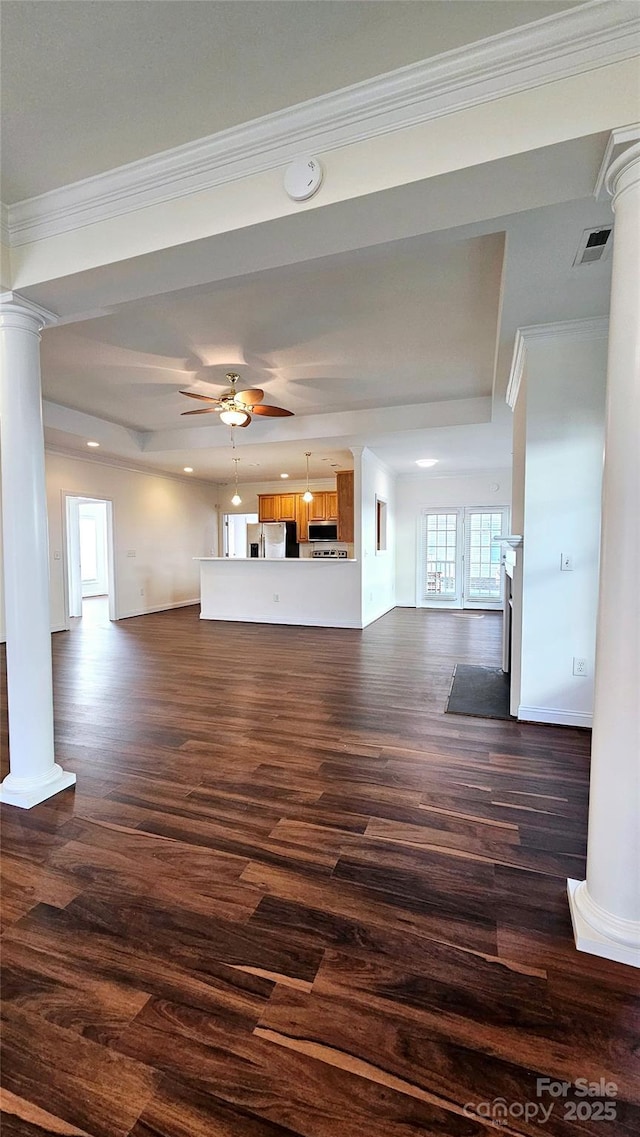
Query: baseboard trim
{"points": [[378, 616], [554, 717], [158, 608], [281, 622]]}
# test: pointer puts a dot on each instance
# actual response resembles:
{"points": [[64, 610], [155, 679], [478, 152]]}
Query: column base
{"points": [[27, 792], [620, 941]]}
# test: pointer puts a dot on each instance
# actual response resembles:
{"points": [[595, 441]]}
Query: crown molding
{"points": [[596, 327], [5, 232], [116, 463], [565, 44]]}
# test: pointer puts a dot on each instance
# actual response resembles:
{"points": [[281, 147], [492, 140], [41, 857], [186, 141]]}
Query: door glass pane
{"points": [[440, 563], [483, 555]]}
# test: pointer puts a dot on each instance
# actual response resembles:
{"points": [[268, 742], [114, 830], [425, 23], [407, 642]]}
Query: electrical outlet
{"points": [[276, 597], [142, 591], [131, 552], [579, 665], [566, 562]]}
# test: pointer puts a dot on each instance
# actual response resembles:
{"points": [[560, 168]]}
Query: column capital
{"points": [[623, 172], [18, 312]]}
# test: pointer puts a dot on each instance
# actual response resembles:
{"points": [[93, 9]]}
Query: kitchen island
{"points": [[320, 593]]}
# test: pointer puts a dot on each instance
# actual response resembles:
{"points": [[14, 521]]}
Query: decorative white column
{"points": [[34, 773], [605, 908]]}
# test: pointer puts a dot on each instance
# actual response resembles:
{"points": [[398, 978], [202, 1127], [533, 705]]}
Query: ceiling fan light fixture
{"points": [[232, 417], [307, 495]]}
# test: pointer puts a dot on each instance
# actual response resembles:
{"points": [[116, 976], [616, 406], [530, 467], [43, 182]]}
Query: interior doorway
{"points": [[89, 560], [234, 528]]}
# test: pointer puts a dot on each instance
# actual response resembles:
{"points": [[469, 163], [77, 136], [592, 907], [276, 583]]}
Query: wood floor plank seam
{"points": [[319, 907]]}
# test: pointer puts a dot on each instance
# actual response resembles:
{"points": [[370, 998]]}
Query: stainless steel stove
{"points": [[335, 553]]}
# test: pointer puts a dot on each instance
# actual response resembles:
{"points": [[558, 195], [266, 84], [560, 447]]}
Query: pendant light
{"points": [[307, 495], [236, 499]]}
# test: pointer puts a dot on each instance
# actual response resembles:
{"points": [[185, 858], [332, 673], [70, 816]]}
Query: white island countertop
{"points": [[265, 590]]}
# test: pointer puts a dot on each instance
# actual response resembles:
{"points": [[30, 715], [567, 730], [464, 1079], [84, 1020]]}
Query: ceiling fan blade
{"points": [[243, 424], [249, 398], [205, 398], [203, 411], [270, 412]]}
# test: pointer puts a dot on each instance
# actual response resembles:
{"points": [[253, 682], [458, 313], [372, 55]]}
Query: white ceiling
{"points": [[398, 324], [87, 85], [386, 321]]}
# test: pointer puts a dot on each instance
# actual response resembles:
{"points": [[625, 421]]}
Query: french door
{"points": [[459, 563]]}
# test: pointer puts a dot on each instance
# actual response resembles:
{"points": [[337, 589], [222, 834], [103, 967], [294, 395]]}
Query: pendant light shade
{"points": [[307, 495]]}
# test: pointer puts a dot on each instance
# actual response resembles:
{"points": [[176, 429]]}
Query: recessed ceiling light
{"points": [[93, 443], [284, 475], [424, 462], [188, 469]]}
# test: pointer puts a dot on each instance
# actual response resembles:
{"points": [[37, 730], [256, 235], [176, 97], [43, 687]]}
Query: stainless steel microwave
{"points": [[323, 531]]}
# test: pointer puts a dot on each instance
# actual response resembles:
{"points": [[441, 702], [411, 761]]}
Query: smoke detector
{"points": [[594, 245]]}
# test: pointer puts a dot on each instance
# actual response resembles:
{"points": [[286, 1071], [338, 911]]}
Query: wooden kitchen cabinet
{"points": [[317, 507], [286, 507], [324, 506], [268, 507], [344, 483], [277, 507]]}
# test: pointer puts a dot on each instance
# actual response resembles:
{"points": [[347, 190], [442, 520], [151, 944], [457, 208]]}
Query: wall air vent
{"points": [[594, 245]]}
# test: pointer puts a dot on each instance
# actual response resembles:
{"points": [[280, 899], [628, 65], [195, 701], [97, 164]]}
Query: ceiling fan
{"points": [[236, 407]]}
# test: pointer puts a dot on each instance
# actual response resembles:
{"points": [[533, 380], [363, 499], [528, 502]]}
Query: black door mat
{"points": [[479, 691]]}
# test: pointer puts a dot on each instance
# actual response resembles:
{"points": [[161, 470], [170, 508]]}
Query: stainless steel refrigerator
{"points": [[272, 539]]}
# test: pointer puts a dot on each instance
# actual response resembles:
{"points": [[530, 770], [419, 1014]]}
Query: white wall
{"points": [[165, 521], [565, 392], [425, 490], [378, 569]]}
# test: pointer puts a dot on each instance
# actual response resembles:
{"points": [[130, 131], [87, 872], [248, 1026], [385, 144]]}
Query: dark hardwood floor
{"points": [[289, 895]]}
